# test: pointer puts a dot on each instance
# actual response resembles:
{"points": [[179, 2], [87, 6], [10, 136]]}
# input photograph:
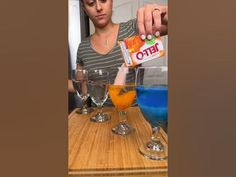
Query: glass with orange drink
{"points": [[122, 93]]}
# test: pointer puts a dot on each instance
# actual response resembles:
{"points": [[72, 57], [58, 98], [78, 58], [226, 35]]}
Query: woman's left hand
{"points": [[152, 19]]}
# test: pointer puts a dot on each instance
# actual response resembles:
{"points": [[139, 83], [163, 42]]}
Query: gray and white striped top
{"points": [[91, 60]]}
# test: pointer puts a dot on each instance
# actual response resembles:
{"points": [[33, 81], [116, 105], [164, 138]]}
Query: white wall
{"points": [[74, 29]]}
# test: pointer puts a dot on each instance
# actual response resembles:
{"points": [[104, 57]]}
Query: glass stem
{"points": [[99, 109], [122, 115], [156, 134], [84, 103]]}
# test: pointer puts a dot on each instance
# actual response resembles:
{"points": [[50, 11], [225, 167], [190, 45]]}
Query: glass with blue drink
{"points": [[152, 99]]}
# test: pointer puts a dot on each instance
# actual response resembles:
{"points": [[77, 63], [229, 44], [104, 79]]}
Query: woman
{"points": [[101, 50]]}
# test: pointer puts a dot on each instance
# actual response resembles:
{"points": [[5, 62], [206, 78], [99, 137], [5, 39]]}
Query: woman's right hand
{"points": [[152, 19]]}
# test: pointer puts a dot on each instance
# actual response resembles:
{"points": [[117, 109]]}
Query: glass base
{"points": [[84, 110], [123, 128], [154, 150], [100, 117]]}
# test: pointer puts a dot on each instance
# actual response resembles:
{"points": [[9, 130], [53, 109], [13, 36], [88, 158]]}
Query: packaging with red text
{"points": [[136, 51]]}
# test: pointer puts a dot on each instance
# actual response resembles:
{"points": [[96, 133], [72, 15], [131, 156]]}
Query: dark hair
{"points": [[81, 2]]}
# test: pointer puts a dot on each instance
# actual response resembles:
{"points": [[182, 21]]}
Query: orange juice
{"points": [[122, 96]]}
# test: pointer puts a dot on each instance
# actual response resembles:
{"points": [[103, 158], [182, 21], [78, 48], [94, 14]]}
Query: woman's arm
{"points": [[70, 86], [152, 19]]}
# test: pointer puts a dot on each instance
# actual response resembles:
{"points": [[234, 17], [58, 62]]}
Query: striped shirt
{"points": [[90, 59]]}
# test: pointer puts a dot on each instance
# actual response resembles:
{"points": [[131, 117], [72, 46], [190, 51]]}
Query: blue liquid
{"points": [[153, 102]]}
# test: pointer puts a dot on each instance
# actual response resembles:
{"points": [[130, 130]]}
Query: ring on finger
{"points": [[156, 9]]}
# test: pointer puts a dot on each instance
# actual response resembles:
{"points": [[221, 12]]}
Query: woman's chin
{"points": [[101, 24]]}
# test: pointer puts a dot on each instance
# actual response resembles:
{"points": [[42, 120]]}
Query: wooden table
{"points": [[95, 151]]}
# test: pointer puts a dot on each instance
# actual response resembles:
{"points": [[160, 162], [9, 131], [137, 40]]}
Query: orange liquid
{"points": [[122, 96]]}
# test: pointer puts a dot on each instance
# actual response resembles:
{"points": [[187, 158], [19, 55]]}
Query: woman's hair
{"points": [[81, 1]]}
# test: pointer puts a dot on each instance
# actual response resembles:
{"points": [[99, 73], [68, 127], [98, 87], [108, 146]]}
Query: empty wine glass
{"points": [[98, 85], [152, 99], [80, 83], [122, 93]]}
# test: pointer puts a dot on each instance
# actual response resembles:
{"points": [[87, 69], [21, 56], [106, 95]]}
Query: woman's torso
{"points": [[90, 59]]}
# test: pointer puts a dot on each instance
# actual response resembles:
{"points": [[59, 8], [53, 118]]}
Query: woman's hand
{"points": [[152, 19]]}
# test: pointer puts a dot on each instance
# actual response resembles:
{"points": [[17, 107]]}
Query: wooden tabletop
{"points": [[94, 150]]}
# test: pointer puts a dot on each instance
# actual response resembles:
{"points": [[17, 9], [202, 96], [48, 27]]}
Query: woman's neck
{"points": [[106, 30], [104, 39]]}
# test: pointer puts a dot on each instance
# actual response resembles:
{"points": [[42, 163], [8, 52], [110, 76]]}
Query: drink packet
{"points": [[136, 51], [121, 75]]}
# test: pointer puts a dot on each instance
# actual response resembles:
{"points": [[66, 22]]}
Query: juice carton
{"points": [[136, 51]]}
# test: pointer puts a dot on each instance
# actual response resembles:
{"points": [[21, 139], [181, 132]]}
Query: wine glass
{"points": [[80, 81], [98, 85], [152, 99], [122, 93]]}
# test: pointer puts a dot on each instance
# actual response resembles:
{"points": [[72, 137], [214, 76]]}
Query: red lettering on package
{"points": [[148, 51]]}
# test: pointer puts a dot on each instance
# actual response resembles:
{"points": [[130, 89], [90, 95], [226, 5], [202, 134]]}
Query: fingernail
{"points": [[143, 37], [149, 36], [157, 33]]}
